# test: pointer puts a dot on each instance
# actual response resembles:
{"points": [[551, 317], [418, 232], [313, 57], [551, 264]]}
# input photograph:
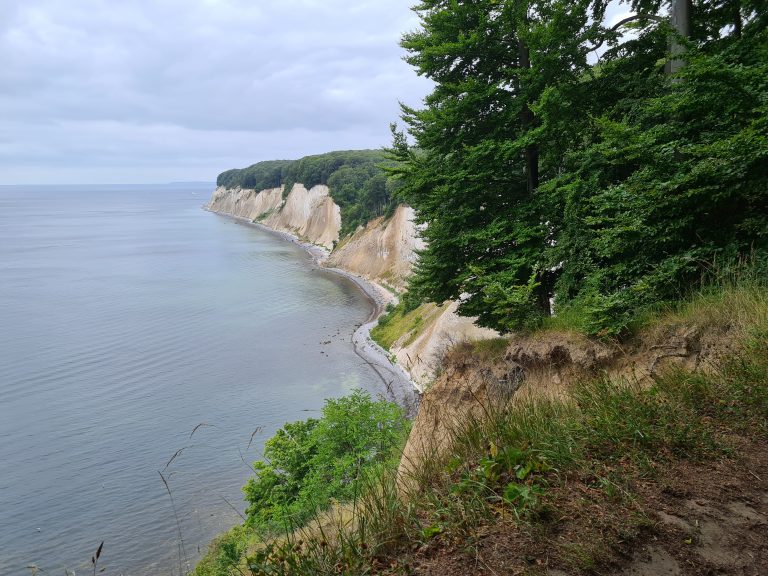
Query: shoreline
{"points": [[398, 384]]}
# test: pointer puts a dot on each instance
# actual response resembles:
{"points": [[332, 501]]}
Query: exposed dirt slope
{"points": [[692, 520], [546, 365], [422, 355], [688, 518], [709, 519]]}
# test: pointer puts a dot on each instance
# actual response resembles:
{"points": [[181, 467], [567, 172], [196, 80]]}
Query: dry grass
{"points": [[739, 307]]}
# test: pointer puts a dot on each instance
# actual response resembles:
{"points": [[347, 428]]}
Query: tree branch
{"points": [[627, 20]]}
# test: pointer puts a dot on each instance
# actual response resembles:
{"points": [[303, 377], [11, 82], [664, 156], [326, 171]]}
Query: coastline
{"points": [[398, 384]]}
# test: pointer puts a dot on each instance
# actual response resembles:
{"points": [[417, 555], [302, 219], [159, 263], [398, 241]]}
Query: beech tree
{"points": [[609, 186], [474, 176]]}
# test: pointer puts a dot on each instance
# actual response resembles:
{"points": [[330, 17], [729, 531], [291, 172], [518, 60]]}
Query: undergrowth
{"points": [[728, 294], [535, 465]]}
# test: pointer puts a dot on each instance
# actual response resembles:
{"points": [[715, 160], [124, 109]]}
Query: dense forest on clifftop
{"points": [[557, 159]]}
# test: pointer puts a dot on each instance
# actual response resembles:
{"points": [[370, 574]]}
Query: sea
{"points": [[148, 348]]}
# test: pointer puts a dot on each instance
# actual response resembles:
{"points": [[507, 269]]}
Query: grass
{"points": [[490, 350], [399, 322], [729, 296], [544, 474], [741, 306]]}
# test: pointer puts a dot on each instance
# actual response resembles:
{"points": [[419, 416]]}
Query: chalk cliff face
{"points": [[383, 251], [245, 203], [424, 355], [310, 215]]}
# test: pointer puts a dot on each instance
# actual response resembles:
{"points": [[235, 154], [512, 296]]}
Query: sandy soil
{"points": [[701, 519]]}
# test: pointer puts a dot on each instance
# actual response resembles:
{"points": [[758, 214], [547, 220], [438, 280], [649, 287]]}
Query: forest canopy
{"points": [[556, 161]]}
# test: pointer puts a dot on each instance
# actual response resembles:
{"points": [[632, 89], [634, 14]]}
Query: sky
{"points": [[147, 91], [132, 91]]}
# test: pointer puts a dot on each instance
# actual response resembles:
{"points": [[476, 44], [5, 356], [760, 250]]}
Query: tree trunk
{"points": [[680, 16], [738, 24], [527, 119], [543, 292]]}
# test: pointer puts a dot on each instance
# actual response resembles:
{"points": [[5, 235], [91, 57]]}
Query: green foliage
{"points": [[612, 187], [622, 420], [511, 306], [260, 176], [474, 175], [399, 321], [513, 453], [224, 554], [357, 181], [539, 461], [309, 463], [512, 475], [661, 193], [362, 192]]}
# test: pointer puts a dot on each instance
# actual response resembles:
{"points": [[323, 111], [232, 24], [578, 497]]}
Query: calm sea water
{"points": [[128, 316]]}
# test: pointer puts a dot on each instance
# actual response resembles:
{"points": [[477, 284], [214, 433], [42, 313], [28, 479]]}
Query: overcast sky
{"points": [[167, 90], [132, 91]]}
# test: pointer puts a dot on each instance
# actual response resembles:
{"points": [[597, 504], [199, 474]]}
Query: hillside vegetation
{"points": [[621, 183], [356, 179], [579, 482], [610, 187]]}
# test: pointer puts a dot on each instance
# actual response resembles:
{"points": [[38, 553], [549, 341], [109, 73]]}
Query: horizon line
{"points": [[172, 183]]}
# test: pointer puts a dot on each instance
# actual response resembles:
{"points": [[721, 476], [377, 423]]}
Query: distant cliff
{"points": [[310, 215], [383, 252], [357, 180]]}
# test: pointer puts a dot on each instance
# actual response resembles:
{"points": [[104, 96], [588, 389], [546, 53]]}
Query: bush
{"points": [[309, 463]]}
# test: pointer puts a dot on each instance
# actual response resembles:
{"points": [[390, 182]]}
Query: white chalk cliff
{"points": [[383, 251], [310, 215]]}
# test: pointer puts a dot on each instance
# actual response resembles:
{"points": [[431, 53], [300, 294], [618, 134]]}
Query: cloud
{"points": [[182, 89]]}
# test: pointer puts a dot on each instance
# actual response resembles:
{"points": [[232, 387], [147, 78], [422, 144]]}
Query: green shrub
{"points": [[309, 463]]}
